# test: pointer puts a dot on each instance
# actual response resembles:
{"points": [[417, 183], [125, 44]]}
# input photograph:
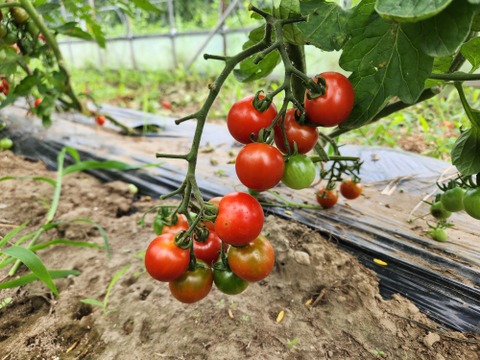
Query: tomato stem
{"points": [[472, 116]]}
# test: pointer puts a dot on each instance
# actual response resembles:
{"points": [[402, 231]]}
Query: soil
{"points": [[331, 305]]}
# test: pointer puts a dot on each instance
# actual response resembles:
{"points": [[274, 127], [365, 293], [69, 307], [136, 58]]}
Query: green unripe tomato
{"points": [[3, 30], [439, 212], [228, 282], [452, 199], [439, 234], [6, 144], [10, 38], [299, 172], [19, 15], [471, 202]]}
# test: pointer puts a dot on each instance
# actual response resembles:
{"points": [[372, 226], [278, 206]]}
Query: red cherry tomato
{"points": [[208, 250], [327, 198], [350, 189], [244, 119], [100, 119], [4, 87], [259, 166], [164, 260], [254, 261], [37, 102], [159, 226], [42, 37], [240, 219], [333, 107], [193, 285], [166, 104], [303, 135]]}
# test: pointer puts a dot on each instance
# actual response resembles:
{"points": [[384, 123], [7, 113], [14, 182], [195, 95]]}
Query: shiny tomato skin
{"points": [[303, 135], [253, 262], [471, 202], [299, 172], [209, 250], [243, 119], [164, 260], [37, 102], [228, 282], [350, 189], [240, 219], [327, 198], [193, 285], [259, 166], [452, 199], [333, 107], [159, 226]]}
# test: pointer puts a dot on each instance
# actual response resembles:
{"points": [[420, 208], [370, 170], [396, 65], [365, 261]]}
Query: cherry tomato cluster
{"points": [[262, 163], [229, 252], [327, 196]]}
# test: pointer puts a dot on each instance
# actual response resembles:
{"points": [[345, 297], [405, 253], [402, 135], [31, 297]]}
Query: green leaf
{"points": [[249, 71], [385, 62], [289, 9], [38, 178], [471, 51], [100, 229], [92, 302], [29, 278], [146, 5], [11, 234], [410, 10], [325, 27], [443, 34], [466, 151], [72, 29], [92, 164], [33, 262], [46, 244], [25, 86]]}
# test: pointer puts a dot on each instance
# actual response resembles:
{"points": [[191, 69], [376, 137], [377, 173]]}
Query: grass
{"points": [[429, 128]]}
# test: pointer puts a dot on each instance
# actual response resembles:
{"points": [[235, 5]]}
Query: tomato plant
{"points": [[350, 189], [299, 172], [164, 260], [471, 202], [326, 197], [304, 137], [170, 224], [240, 219], [227, 281], [193, 285], [259, 166], [245, 120], [335, 105], [254, 261]]}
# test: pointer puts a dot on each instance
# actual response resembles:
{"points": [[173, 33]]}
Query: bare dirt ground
{"points": [[332, 306]]}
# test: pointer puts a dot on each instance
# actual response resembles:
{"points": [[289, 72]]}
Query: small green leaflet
{"points": [[410, 10], [471, 51]]}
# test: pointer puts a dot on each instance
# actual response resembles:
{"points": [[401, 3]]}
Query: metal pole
{"points": [[173, 31], [227, 12]]}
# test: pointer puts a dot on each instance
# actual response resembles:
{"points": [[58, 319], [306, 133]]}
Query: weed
{"points": [[292, 344]]}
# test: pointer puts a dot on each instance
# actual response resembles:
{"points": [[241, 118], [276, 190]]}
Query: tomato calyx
{"points": [[261, 102], [316, 87]]}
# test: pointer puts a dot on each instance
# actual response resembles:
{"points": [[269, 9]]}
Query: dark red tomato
{"points": [[228, 282], [333, 107], [243, 119], [159, 226], [254, 261], [4, 87], [259, 166], [216, 201], [100, 120], [42, 38], [327, 198], [303, 135], [208, 250], [350, 189], [37, 102], [193, 285], [240, 219], [164, 260]]}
